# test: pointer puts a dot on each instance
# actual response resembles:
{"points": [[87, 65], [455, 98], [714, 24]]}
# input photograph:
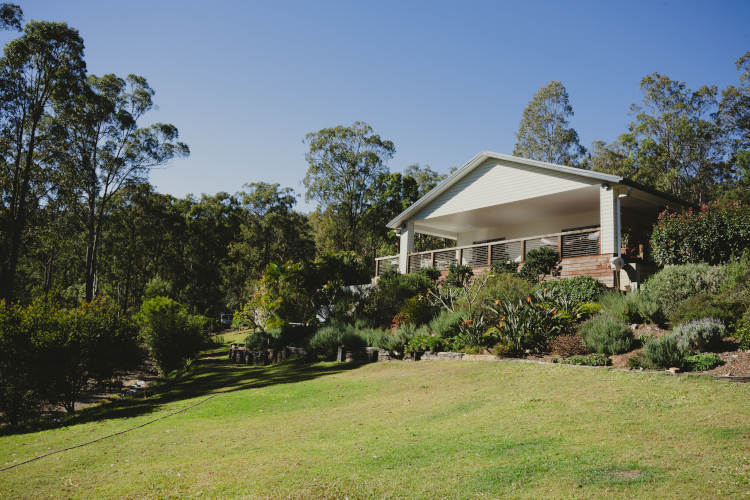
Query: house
{"points": [[499, 207]]}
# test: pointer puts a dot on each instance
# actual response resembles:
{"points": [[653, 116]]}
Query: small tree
{"points": [[462, 296], [539, 263]]}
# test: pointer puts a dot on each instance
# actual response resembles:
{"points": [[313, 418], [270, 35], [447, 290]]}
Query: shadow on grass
{"points": [[212, 373]]}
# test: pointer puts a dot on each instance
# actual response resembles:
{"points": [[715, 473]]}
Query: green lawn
{"points": [[428, 429]]}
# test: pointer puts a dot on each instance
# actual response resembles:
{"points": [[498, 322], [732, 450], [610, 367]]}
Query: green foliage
{"points": [[663, 352], [157, 287], [717, 233], [417, 310], [171, 334], [632, 307], [699, 335], [507, 266], [343, 163], [387, 298], [593, 359], [459, 275], [325, 342], [703, 361], [49, 354], [607, 335], [504, 287], [575, 290], [721, 305], [674, 284], [742, 331], [422, 343], [523, 324], [540, 262], [445, 324], [544, 133]]}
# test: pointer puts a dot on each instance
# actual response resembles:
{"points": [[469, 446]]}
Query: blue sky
{"points": [[245, 81]]}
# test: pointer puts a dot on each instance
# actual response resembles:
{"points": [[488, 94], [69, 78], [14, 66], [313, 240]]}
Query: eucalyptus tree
{"points": [[11, 16], [425, 177], [103, 148], [343, 162], [544, 133], [44, 64]]}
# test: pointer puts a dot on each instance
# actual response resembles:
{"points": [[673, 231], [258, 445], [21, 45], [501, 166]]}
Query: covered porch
{"points": [[585, 226]]}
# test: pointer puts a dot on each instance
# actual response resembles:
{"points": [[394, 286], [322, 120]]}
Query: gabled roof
{"points": [[485, 155]]}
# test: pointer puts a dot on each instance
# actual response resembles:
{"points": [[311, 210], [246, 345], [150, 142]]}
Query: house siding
{"points": [[495, 182]]}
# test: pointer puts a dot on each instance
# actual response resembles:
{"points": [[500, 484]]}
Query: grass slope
{"points": [[428, 429]]}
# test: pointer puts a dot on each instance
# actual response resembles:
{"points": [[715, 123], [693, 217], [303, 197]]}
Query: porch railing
{"points": [[577, 243], [385, 264]]}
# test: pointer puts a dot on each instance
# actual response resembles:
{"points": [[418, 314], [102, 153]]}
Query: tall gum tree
{"points": [[544, 133], [43, 65], [103, 149]]}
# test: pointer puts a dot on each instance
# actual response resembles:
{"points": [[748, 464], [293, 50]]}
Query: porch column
{"points": [[405, 246], [609, 218]]}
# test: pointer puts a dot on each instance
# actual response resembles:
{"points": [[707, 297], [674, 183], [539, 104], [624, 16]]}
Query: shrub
{"points": [[714, 234], [663, 352], [506, 266], [48, 354], [722, 306], [523, 324], [567, 345], [396, 340], [703, 361], [633, 307], [20, 382], [576, 290], [588, 309], [445, 324], [674, 284], [504, 287], [326, 341], [417, 311], [458, 275], [432, 273], [742, 331], [593, 359], [539, 262], [606, 335], [422, 343], [699, 335], [387, 298], [171, 334], [502, 349]]}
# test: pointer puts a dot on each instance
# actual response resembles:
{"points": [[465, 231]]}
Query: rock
{"points": [[450, 355], [673, 370], [479, 357]]}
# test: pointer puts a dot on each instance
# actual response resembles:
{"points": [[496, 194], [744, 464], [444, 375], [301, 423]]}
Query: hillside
{"points": [[426, 429]]}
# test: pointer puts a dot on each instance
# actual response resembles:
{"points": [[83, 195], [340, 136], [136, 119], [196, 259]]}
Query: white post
{"points": [[405, 246], [609, 215]]}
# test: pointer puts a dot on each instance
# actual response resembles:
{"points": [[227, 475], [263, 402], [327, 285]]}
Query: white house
{"points": [[499, 207]]}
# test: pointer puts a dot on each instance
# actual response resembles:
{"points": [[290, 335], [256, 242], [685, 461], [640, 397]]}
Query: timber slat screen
{"points": [[577, 243], [385, 264]]}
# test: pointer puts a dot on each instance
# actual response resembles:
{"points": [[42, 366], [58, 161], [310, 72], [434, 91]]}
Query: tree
{"points": [[11, 16], [544, 133], [734, 119], [270, 231], [674, 144], [426, 178], [343, 162], [103, 149], [45, 63]]}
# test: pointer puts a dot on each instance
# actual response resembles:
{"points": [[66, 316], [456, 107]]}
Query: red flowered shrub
{"points": [[714, 233]]}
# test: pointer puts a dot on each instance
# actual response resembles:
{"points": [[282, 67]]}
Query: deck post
{"points": [[377, 266], [489, 254], [523, 251], [405, 247], [559, 246], [460, 256], [432, 259]]}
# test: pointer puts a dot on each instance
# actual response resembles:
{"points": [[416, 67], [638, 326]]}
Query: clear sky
{"points": [[245, 81]]}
